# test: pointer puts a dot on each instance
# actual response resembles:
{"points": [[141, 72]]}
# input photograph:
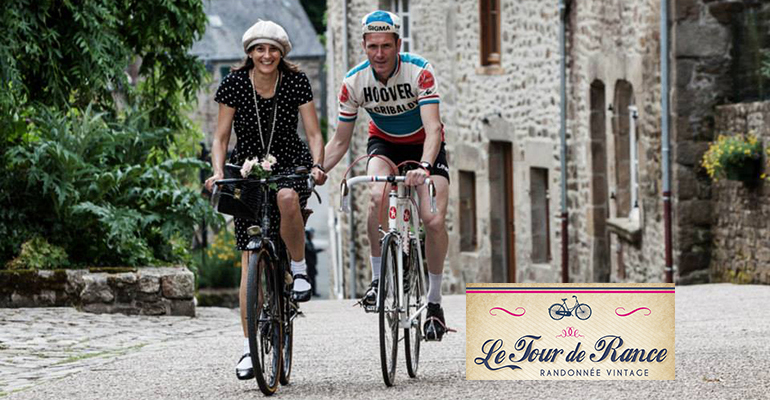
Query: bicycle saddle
{"points": [[563, 299]]}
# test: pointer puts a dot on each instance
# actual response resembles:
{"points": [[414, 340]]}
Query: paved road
{"points": [[722, 352], [319, 221]]}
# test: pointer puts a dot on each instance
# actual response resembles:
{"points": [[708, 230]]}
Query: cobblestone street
{"points": [[721, 353]]}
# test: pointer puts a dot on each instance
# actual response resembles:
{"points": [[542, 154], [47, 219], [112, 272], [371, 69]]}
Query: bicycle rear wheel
{"points": [[415, 299], [387, 300], [288, 311], [557, 311], [263, 314]]}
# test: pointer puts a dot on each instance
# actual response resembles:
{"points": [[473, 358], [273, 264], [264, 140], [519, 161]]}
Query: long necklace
{"points": [[275, 112]]}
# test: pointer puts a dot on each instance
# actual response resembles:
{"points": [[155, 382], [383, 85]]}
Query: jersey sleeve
{"points": [[227, 91], [348, 105], [303, 93], [427, 86]]}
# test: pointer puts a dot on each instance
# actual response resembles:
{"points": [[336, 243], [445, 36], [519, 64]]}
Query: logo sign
{"points": [[570, 331], [407, 215], [425, 81], [344, 95], [392, 212]]}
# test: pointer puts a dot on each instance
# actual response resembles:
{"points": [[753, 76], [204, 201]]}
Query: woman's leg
{"points": [[244, 370], [293, 234], [292, 227], [242, 289]]}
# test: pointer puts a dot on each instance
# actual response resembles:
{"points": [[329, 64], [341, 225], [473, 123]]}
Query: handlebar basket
{"points": [[242, 199]]}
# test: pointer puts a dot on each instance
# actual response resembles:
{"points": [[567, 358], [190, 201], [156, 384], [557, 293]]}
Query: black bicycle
{"points": [[559, 311], [270, 308]]}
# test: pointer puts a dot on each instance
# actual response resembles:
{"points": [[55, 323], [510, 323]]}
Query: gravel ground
{"points": [[722, 352]]}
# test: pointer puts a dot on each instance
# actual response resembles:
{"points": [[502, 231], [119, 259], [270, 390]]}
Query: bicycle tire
{"points": [[415, 299], [287, 307], [387, 296], [581, 310], [553, 311], [264, 324]]}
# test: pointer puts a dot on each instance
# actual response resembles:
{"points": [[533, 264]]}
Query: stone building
{"points": [[497, 63], [220, 48]]}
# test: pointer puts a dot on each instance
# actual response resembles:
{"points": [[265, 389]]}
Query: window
{"points": [[223, 72], [401, 8], [538, 193], [624, 130], [490, 32], [468, 239]]}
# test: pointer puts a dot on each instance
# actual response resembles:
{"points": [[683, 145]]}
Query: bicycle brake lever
{"points": [[214, 195], [432, 194], [318, 196], [344, 200]]}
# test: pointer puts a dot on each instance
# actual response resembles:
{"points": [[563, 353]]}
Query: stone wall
{"points": [[701, 43], [740, 249], [614, 48], [144, 291], [518, 103]]}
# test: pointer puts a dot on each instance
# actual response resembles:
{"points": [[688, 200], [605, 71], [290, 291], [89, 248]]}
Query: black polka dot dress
{"points": [[294, 90]]}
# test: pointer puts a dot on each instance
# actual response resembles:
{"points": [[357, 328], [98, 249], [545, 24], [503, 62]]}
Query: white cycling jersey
{"points": [[395, 106]]}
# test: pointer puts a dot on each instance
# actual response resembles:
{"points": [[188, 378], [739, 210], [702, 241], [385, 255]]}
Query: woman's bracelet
{"points": [[319, 166]]}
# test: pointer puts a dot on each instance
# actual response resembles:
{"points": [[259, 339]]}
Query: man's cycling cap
{"points": [[381, 22]]}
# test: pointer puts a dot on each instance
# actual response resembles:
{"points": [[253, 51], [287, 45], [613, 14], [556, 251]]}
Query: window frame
{"points": [[396, 7], [489, 32]]}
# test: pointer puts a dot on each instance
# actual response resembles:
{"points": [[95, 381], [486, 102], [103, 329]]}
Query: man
{"points": [[400, 93]]}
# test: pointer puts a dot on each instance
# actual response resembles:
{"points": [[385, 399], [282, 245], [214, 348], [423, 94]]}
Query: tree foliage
{"points": [[72, 53], [89, 159]]}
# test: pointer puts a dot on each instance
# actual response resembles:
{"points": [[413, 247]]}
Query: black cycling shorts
{"points": [[399, 153]]}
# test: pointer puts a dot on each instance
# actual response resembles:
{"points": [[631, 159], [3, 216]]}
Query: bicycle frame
{"points": [[569, 310], [402, 225]]}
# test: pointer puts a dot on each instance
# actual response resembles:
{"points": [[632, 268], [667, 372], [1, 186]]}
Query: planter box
{"points": [[132, 291]]}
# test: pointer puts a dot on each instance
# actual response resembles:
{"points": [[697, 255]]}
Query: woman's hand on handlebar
{"points": [[210, 182]]}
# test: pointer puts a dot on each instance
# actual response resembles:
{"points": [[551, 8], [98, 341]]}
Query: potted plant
{"points": [[736, 157]]}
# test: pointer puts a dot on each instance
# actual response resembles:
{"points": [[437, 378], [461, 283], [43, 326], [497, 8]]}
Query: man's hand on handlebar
{"points": [[416, 177]]}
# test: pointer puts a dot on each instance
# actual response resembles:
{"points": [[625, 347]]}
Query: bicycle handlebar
{"points": [[347, 183], [271, 179]]}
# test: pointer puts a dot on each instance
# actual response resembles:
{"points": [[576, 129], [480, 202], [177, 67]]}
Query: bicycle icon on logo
{"points": [[559, 311]]}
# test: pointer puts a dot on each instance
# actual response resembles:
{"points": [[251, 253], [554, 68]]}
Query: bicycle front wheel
{"points": [[557, 311], [583, 312], [263, 314], [387, 300], [416, 298]]}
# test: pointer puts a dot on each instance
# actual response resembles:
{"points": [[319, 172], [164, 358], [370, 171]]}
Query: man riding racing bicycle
{"points": [[400, 93]]}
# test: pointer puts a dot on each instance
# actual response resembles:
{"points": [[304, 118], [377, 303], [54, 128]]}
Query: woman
{"points": [[261, 99]]}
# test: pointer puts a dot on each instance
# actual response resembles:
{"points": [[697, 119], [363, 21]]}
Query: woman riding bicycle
{"points": [[261, 99]]}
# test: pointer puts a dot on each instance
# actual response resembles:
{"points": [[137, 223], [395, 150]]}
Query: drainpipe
{"points": [[349, 157], [666, 145], [633, 114], [564, 214]]}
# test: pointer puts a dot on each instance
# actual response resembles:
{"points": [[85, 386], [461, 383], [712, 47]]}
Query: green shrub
{"points": [[219, 265], [37, 253], [105, 191]]}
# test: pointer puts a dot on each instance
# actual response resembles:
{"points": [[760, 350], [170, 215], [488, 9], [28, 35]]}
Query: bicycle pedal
{"points": [[370, 309]]}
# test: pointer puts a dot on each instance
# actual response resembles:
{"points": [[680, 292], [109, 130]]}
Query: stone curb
{"points": [[141, 291]]}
